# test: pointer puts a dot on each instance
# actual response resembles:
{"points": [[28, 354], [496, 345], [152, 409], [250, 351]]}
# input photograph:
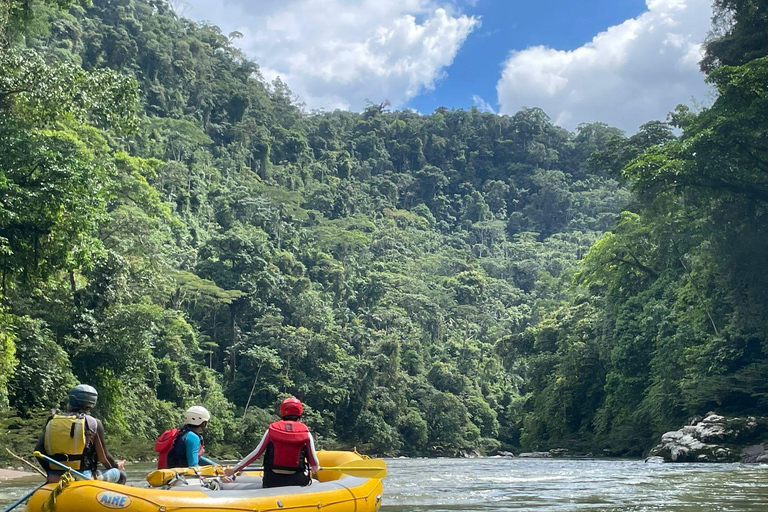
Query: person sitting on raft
{"points": [[187, 449], [76, 439], [288, 449]]}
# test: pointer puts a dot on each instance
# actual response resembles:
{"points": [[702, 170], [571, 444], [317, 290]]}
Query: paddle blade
{"points": [[372, 468]]}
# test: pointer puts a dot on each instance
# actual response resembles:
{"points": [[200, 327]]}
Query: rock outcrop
{"points": [[754, 453], [715, 438]]}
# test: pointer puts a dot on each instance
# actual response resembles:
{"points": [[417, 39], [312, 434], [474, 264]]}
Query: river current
{"points": [[548, 485]]}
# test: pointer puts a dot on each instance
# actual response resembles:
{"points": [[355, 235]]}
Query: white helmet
{"points": [[196, 415]]}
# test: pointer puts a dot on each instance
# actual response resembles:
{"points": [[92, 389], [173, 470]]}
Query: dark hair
{"points": [[291, 417]]}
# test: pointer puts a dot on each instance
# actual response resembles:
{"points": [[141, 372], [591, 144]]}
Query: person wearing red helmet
{"points": [[288, 449]]}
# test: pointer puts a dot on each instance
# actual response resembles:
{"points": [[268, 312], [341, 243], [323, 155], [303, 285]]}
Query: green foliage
{"points": [[738, 38], [43, 374], [251, 428], [212, 243], [16, 16], [8, 359], [674, 297]]}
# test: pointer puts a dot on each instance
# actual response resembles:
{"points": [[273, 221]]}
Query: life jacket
{"points": [[289, 441], [163, 445], [176, 455], [69, 439]]}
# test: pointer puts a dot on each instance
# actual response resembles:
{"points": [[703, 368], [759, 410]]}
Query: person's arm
{"points": [[101, 449], [192, 444], [255, 454], [314, 462]]}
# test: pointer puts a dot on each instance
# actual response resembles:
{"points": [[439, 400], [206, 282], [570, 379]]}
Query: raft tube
{"points": [[335, 492]]}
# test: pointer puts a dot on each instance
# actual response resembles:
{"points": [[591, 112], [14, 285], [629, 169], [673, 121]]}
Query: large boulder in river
{"points": [[714, 438]]}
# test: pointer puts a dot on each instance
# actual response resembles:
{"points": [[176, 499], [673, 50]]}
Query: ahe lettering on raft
{"points": [[113, 499]]}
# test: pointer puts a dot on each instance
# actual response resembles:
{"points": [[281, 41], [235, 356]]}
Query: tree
{"points": [[737, 36]]}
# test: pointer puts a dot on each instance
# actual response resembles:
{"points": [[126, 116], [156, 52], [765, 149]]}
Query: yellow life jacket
{"points": [[66, 438]]}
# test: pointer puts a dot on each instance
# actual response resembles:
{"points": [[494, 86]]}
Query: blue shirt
{"points": [[192, 442]]}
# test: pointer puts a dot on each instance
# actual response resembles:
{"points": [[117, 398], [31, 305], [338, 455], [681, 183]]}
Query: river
{"points": [[549, 485]]}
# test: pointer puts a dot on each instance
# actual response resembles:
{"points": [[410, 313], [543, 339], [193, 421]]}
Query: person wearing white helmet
{"points": [[189, 444]]}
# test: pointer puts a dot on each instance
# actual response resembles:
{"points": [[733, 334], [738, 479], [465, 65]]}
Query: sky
{"points": [[622, 62]]}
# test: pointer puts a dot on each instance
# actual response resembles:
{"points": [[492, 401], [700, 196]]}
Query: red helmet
{"points": [[291, 406]]}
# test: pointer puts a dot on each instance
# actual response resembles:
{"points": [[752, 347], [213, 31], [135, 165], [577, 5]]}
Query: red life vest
{"points": [[167, 442], [163, 446], [290, 443]]}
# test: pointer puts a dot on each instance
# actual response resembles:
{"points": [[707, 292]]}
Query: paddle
{"points": [[61, 465], [209, 461], [33, 491], [372, 468]]}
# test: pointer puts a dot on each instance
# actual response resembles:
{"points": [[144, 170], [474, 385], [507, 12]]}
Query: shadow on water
{"points": [[545, 485]]}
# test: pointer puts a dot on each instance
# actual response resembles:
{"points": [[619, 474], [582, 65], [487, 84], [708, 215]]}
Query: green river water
{"points": [[496, 484]]}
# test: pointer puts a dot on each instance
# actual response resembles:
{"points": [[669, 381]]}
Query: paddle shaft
{"points": [[350, 468], [23, 498], [330, 468], [61, 465], [365, 468]]}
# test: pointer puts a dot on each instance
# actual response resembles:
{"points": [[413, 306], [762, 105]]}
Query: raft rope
{"points": [[64, 481], [362, 456]]}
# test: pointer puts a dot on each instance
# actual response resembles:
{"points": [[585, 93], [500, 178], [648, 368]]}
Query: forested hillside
{"points": [[175, 230], [671, 319]]}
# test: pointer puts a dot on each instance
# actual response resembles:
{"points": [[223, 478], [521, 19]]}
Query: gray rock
{"points": [[714, 438], [723, 454], [754, 454], [754, 450], [670, 437], [535, 455], [505, 454], [713, 419]]}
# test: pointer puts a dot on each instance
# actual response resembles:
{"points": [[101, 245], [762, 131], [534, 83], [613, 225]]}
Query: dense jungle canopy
{"points": [[175, 230]]}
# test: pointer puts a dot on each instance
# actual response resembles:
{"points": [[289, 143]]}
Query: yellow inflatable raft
{"points": [[334, 492]]}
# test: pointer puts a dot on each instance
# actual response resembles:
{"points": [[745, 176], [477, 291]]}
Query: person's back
{"points": [[288, 449], [76, 439], [285, 457], [188, 445]]}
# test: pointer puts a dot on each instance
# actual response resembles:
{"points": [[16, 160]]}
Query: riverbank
{"points": [[13, 474]]}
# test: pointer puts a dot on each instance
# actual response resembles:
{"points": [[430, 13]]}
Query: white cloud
{"points": [[340, 53], [483, 105], [631, 73]]}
